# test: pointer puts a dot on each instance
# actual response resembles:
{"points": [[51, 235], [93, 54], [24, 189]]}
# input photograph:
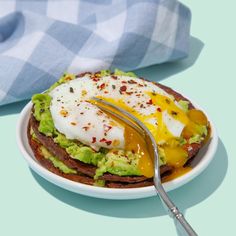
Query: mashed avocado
{"points": [[184, 105], [56, 162], [118, 162]]}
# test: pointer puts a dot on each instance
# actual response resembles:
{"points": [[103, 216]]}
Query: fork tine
{"points": [[122, 117]]}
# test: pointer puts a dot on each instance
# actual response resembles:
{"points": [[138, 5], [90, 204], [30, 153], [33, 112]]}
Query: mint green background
{"points": [[30, 205]]}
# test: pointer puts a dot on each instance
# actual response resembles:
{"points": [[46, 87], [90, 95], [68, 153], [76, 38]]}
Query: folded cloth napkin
{"points": [[39, 40]]}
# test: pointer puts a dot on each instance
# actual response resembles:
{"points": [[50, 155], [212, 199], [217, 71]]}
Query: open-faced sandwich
{"points": [[73, 138]]}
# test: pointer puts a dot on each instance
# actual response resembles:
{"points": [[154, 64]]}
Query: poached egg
{"points": [[76, 117]]}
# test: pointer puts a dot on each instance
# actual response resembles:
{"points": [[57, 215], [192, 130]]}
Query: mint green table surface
{"points": [[29, 205]]}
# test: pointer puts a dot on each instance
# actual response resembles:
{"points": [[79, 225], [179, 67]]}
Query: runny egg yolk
{"points": [[175, 155]]}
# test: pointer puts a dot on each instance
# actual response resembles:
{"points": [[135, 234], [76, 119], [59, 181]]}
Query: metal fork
{"points": [[181, 223]]}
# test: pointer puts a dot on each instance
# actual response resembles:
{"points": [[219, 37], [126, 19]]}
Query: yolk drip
{"points": [[176, 173], [136, 143], [175, 156], [196, 117]]}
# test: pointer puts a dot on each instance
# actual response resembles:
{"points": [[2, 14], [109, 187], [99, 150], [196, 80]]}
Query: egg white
{"points": [[77, 118]]}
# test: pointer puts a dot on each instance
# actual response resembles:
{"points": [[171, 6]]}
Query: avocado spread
{"points": [[118, 162]]}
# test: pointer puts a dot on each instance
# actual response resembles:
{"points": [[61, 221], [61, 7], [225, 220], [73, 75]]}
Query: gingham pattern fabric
{"points": [[39, 40]]}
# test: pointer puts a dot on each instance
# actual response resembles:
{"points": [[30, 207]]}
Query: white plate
{"points": [[205, 156]]}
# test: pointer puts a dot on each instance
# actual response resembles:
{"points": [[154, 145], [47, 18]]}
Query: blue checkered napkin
{"points": [[39, 40]]}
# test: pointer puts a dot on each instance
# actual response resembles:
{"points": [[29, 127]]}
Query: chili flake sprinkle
{"points": [[103, 140], [73, 123], [114, 77], [102, 86], [107, 127], [108, 142], [94, 139], [123, 88], [149, 102], [131, 81]]}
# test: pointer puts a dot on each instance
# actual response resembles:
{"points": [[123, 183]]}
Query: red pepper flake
{"points": [[129, 93], [103, 140], [123, 82], [114, 77], [107, 127], [95, 78], [85, 128], [132, 81], [108, 143], [140, 85], [102, 86], [159, 109], [141, 106], [73, 123], [138, 95], [106, 92], [123, 88], [93, 139], [81, 113], [149, 102]]}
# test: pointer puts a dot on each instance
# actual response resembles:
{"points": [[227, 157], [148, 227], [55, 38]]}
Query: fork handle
{"points": [[181, 223]]}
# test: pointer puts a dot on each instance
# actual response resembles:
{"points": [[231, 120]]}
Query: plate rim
{"points": [[111, 193]]}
